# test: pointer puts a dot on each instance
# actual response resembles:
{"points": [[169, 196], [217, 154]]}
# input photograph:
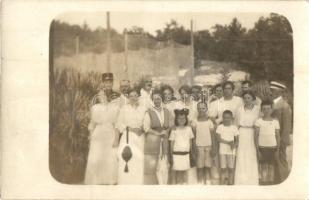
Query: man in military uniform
{"points": [[107, 87]]}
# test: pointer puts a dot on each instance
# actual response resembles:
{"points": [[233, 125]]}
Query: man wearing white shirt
{"points": [[145, 98], [228, 102], [214, 100], [124, 88]]}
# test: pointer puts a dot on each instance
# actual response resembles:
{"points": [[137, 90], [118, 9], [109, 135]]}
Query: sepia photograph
{"points": [[170, 98]]}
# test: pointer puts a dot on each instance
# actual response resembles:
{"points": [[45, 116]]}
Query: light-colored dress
{"points": [[182, 140], [246, 162], [192, 106], [132, 117], [102, 157]]}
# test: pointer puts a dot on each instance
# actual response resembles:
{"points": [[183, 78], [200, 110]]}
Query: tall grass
{"points": [[70, 96]]}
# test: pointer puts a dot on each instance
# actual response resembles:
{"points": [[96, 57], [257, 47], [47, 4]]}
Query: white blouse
{"points": [[130, 116], [247, 117]]}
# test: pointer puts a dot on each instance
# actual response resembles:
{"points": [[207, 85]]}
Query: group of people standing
{"points": [[148, 136]]}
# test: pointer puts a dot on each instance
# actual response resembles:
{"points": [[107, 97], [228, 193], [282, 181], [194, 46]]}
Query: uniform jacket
{"points": [[283, 112]]}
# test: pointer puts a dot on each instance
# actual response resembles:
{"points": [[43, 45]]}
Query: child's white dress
{"points": [[102, 162], [192, 106], [182, 138]]}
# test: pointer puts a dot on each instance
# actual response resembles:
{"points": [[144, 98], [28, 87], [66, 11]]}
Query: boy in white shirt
{"points": [[205, 143], [267, 140], [227, 136]]}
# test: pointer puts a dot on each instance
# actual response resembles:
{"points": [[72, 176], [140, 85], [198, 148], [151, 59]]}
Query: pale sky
{"points": [[151, 21]]}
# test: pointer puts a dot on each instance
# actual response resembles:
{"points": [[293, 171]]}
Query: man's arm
{"points": [[220, 140], [278, 138], [286, 125], [256, 137]]}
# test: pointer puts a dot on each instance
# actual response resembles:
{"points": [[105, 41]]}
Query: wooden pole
{"points": [[77, 45], [108, 43], [125, 52], [192, 52]]}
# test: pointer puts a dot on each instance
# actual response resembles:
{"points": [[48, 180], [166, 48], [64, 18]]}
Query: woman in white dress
{"points": [[102, 157], [130, 125], [246, 162]]}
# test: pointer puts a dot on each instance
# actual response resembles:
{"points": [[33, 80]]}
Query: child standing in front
{"points": [[205, 143], [181, 144], [227, 136], [267, 140]]}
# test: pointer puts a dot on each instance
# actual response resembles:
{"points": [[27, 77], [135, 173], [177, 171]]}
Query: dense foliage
{"points": [[265, 51]]}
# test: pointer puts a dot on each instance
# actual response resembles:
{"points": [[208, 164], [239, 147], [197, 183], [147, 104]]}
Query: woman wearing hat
{"points": [[102, 157], [131, 146]]}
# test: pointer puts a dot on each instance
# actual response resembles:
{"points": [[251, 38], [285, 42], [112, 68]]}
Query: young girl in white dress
{"points": [[102, 157], [185, 102], [181, 143]]}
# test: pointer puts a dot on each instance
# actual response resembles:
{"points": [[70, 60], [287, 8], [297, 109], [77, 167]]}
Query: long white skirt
{"points": [[246, 162], [102, 162], [135, 175]]}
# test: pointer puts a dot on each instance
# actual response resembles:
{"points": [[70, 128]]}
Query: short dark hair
{"points": [[247, 82], [156, 91], [176, 119], [227, 112], [249, 93], [228, 83], [267, 102], [196, 87], [167, 87], [180, 112], [186, 88]]}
